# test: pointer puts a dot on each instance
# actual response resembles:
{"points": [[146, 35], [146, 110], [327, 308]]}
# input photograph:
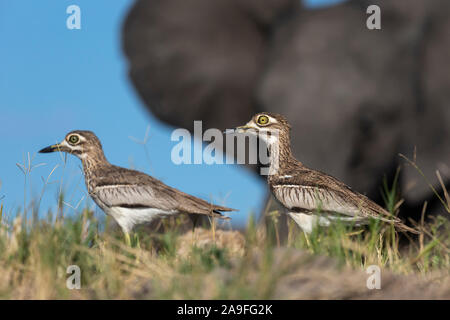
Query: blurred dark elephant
{"points": [[356, 98]]}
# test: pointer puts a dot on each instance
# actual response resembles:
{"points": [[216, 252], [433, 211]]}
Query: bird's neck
{"points": [[92, 163], [280, 154]]}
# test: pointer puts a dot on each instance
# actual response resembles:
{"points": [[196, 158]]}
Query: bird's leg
{"points": [[307, 238], [127, 239], [136, 240]]}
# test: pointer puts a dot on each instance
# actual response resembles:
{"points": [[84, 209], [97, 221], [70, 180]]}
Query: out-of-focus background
{"points": [[356, 98]]}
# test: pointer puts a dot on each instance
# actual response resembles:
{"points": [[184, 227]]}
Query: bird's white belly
{"points": [[307, 222], [127, 218]]}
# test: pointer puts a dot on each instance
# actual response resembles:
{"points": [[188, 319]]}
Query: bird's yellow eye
{"points": [[73, 139], [263, 120]]}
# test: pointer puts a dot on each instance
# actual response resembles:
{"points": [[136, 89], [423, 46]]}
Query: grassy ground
{"points": [[170, 261], [216, 263]]}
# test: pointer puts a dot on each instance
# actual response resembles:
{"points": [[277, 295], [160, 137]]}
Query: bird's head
{"points": [[79, 143], [267, 126]]}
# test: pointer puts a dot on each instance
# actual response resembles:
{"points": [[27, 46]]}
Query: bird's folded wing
{"points": [[135, 196], [314, 198], [312, 190], [156, 196]]}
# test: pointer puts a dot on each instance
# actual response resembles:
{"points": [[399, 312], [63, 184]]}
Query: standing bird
{"points": [[130, 197], [311, 197]]}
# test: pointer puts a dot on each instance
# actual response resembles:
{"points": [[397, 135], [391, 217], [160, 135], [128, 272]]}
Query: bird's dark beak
{"points": [[240, 129], [53, 148]]}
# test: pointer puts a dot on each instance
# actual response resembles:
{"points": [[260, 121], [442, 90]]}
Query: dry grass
{"points": [[259, 262], [172, 264]]}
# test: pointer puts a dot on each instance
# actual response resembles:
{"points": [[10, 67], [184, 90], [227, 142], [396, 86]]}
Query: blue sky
{"points": [[54, 80]]}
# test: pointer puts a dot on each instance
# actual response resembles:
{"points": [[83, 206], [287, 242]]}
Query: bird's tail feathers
{"points": [[399, 225], [404, 228]]}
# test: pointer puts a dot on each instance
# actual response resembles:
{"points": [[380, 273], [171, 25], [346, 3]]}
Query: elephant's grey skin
{"points": [[356, 98], [199, 59]]}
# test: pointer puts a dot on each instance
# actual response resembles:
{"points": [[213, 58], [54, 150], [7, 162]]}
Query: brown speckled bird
{"points": [[130, 197], [311, 197]]}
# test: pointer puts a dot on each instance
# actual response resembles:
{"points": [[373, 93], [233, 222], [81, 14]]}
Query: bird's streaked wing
{"points": [[313, 190], [156, 196]]}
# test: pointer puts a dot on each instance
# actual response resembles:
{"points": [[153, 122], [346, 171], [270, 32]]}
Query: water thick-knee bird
{"points": [[311, 197], [129, 196]]}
